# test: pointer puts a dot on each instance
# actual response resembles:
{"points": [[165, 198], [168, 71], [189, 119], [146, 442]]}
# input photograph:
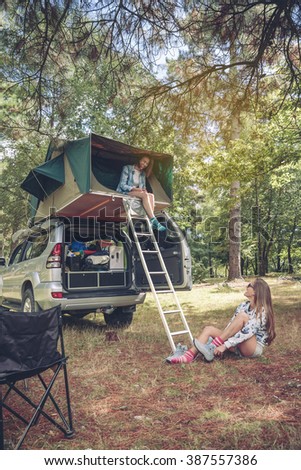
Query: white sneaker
{"points": [[206, 349], [180, 350]]}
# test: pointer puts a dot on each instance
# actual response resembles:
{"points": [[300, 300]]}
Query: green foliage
{"points": [[63, 76]]}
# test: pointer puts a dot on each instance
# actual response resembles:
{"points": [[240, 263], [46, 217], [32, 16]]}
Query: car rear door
{"points": [[176, 255]]}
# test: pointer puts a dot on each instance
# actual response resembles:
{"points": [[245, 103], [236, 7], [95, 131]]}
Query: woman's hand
{"points": [[138, 190], [219, 350]]}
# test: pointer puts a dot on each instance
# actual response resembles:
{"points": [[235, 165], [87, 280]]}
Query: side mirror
{"points": [[2, 262]]}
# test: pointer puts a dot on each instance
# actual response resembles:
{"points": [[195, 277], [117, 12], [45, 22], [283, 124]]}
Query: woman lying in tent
{"points": [[133, 183]]}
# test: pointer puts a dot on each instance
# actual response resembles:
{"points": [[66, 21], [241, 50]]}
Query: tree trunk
{"points": [[289, 260], [243, 264], [289, 255], [260, 264], [235, 210], [256, 219], [235, 233], [278, 262], [211, 273], [264, 259]]}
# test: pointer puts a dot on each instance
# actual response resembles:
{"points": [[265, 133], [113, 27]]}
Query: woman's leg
{"points": [[231, 329], [217, 347], [151, 199], [192, 352], [205, 335], [207, 332], [248, 347], [234, 326], [147, 201]]}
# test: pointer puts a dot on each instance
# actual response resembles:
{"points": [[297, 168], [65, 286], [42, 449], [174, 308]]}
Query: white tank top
{"points": [[136, 178]]}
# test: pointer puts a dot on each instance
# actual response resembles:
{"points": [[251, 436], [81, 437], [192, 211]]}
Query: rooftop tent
{"points": [[92, 168], [109, 156], [45, 179]]}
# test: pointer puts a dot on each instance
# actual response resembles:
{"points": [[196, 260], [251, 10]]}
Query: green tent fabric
{"points": [[163, 170], [107, 171], [46, 178], [33, 205], [78, 154]]}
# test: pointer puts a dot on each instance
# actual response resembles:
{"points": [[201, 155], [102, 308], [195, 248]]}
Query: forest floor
{"points": [[125, 396]]}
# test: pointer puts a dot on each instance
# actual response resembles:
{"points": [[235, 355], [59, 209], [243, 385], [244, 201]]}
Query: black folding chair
{"points": [[32, 345]]}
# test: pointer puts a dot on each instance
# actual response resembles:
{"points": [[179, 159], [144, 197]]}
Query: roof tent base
{"points": [[105, 207]]}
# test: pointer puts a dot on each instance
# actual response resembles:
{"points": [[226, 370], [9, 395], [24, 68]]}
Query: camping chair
{"points": [[31, 345]]}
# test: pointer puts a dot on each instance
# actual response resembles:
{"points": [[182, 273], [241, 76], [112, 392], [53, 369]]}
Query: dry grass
{"points": [[124, 396]]}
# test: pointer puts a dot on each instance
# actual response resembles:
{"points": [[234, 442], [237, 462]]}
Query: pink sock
{"points": [[185, 359], [217, 341]]}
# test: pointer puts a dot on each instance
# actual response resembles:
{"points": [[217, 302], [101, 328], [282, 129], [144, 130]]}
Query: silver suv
{"points": [[87, 266]]}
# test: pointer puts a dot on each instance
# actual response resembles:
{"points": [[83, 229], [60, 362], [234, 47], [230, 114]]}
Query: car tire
{"points": [[28, 302], [120, 318]]}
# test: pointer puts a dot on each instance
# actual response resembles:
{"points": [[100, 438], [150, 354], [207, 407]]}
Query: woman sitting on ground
{"points": [[133, 183], [251, 328]]}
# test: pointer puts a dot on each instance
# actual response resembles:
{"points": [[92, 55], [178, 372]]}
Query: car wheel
{"points": [[28, 302], [120, 318]]}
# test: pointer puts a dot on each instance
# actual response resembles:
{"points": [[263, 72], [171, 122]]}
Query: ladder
{"points": [[158, 294]]}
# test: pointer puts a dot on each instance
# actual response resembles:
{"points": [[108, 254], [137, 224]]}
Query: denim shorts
{"points": [[257, 353], [258, 350]]}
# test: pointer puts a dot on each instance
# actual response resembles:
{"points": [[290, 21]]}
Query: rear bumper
{"points": [[102, 302], [85, 300]]}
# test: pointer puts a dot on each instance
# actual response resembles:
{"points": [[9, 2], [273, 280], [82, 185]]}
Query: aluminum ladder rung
{"points": [[175, 333], [149, 251], [171, 311], [164, 292], [143, 234], [157, 272]]}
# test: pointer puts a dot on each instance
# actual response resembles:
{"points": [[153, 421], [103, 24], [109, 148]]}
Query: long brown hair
{"points": [[263, 300], [148, 170]]}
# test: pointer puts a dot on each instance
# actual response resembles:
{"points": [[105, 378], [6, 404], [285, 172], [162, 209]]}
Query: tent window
{"points": [[107, 172]]}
